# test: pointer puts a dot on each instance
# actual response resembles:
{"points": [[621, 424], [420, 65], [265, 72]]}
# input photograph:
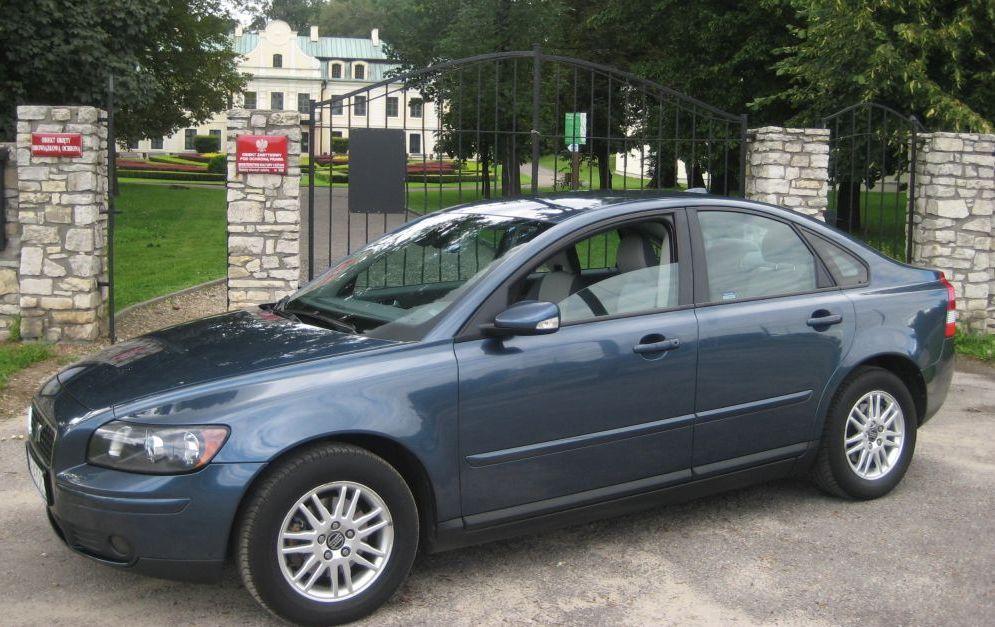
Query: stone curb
{"points": [[158, 299]]}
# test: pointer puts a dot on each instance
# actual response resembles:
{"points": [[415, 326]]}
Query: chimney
{"points": [[314, 33], [375, 36], [238, 30]]}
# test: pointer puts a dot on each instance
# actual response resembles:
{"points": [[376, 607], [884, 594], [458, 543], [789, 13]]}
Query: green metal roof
{"points": [[324, 48]]}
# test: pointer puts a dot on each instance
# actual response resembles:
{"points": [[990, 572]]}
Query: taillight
{"points": [[951, 327]]}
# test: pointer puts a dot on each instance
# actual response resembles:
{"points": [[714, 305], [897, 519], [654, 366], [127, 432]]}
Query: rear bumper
{"points": [[174, 527], [938, 377]]}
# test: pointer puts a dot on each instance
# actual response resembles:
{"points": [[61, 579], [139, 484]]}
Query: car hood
{"points": [[204, 350]]}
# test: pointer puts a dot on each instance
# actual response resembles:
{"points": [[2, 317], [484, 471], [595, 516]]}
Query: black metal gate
{"points": [[502, 125], [872, 156]]}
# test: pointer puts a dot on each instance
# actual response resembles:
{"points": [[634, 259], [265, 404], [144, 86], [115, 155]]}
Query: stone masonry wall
{"points": [[789, 167], [955, 199], [62, 204], [263, 214], [10, 256]]}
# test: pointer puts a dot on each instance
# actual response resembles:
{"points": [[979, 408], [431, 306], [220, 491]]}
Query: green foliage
{"points": [[978, 345], [206, 143], [934, 58], [172, 60], [218, 165], [351, 18], [298, 13], [14, 330], [167, 239], [340, 145], [16, 356]]}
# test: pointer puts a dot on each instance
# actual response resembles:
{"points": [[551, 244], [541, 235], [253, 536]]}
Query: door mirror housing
{"points": [[528, 317]]}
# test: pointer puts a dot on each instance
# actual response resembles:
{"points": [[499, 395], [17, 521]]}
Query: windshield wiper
{"points": [[313, 314]]}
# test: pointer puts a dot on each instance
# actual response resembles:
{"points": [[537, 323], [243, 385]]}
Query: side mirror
{"points": [[528, 317]]}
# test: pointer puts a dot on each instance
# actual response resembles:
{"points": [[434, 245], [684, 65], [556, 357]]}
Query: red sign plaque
{"points": [[56, 144], [261, 154]]}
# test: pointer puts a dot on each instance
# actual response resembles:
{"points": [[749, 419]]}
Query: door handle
{"points": [[657, 347], [823, 318]]}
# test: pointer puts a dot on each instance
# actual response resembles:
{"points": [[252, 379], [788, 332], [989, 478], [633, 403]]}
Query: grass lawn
{"points": [[15, 356], [978, 345], [590, 178], [883, 221], [167, 238]]}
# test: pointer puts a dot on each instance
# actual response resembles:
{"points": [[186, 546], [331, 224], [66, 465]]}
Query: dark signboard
{"points": [[377, 169]]}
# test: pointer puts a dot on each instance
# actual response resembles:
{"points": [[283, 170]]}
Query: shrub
{"points": [[192, 156], [206, 143], [326, 158], [340, 145], [432, 167], [218, 164]]}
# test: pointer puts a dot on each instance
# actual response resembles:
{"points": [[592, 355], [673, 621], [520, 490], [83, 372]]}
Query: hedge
{"points": [[206, 143], [135, 164], [172, 159], [172, 176], [193, 156]]}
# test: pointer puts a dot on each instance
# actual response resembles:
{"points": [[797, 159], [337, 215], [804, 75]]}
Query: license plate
{"points": [[37, 476]]}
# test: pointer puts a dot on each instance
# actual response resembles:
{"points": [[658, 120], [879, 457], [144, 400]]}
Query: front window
{"points": [[249, 100], [336, 70], [415, 107], [414, 144], [277, 60], [304, 103], [188, 135], [359, 107], [391, 106], [398, 286], [359, 72], [276, 101], [336, 105]]}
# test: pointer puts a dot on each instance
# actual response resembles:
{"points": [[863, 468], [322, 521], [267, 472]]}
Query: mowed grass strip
{"points": [[167, 238], [16, 356], [978, 345]]}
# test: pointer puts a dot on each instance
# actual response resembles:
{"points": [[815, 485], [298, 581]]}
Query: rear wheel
{"points": [[328, 536], [869, 438]]}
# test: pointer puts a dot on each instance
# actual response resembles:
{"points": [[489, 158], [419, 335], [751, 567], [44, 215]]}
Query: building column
{"points": [[789, 167], [955, 199], [264, 214], [62, 209]]}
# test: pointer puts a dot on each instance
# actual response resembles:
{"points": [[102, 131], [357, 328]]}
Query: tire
{"points": [[273, 520], [846, 475]]}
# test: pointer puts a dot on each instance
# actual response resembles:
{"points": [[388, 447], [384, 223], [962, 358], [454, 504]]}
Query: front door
{"points": [[604, 406], [773, 330]]}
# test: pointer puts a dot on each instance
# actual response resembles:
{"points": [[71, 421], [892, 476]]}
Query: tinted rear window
{"points": [[846, 269]]}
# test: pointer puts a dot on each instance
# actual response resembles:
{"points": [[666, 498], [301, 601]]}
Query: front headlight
{"points": [[155, 449]]}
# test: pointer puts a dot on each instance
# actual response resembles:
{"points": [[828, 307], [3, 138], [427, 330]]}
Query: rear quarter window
{"points": [[846, 268]]}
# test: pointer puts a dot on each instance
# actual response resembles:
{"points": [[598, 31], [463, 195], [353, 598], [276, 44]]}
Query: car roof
{"points": [[556, 208]]}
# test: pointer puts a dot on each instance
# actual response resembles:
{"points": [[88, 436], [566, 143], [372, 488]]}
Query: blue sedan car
{"points": [[488, 370]]}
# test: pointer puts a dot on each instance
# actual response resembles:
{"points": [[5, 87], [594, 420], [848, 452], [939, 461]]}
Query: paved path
{"points": [[782, 553]]}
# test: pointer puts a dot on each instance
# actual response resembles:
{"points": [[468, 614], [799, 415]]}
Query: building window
{"points": [[414, 143], [216, 132], [336, 70], [415, 107], [391, 106], [360, 105], [156, 143], [276, 101], [188, 135], [305, 142], [249, 100], [359, 71], [336, 105], [336, 133], [277, 60], [304, 103]]}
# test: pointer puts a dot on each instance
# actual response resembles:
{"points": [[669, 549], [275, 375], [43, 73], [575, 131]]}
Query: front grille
{"points": [[42, 435]]}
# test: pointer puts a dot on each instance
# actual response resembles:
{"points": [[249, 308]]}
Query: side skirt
{"points": [[457, 533]]}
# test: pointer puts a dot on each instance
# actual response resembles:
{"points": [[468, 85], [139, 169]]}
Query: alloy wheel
{"points": [[874, 435], [335, 541]]}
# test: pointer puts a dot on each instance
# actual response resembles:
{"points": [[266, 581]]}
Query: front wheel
{"points": [[328, 536], [869, 437]]}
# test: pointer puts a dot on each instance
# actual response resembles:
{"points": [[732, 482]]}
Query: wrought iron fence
{"points": [[510, 124], [872, 156]]}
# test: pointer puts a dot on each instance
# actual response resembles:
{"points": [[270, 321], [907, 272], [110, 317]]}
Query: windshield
{"points": [[397, 286]]}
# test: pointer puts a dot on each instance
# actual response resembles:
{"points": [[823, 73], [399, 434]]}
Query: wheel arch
{"points": [[394, 453], [903, 367]]}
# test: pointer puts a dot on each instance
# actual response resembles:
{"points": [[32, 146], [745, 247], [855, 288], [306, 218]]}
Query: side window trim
{"points": [[824, 279], [490, 307]]}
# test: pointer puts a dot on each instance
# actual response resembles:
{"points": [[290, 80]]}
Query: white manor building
{"points": [[286, 70]]}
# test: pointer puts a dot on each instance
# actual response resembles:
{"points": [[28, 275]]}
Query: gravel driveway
{"points": [[779, 553]]}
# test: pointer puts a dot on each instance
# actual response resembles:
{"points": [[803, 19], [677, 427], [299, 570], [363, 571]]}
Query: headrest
{"points": [[634, 253], [564, 261], [781, 246]]}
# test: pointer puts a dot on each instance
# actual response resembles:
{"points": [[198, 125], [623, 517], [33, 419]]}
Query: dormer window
{"points": [[277, 60], [359, 72], [336, 70]]}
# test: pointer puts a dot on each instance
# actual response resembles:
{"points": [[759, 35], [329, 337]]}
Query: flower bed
{"points": [[432, 167], [135, 164]]}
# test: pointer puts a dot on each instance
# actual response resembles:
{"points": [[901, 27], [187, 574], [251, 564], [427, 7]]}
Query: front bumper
{"points": [[174, 526]]}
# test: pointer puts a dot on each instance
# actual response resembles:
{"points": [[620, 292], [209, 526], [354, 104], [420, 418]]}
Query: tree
{"points": [[934, 58], [172, 60], [300, 14], [351, 18]]}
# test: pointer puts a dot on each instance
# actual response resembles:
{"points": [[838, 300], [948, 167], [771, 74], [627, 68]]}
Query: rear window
{"points": [[846, 269]]}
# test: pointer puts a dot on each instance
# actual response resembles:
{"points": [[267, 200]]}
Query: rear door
{"points": [[772, 331]]}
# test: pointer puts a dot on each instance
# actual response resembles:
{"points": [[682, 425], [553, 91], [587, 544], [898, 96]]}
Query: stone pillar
{"points": [[955, 199], [10, 256], [789, 167], [62, 208], [263, 214]]}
